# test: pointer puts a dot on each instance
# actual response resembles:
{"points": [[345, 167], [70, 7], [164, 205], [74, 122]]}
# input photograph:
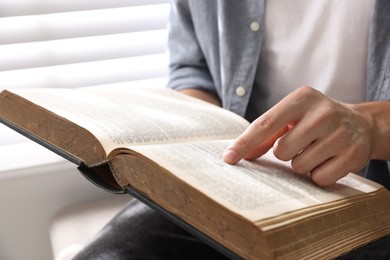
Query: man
{"points": [[221, 50], [252, 57]]}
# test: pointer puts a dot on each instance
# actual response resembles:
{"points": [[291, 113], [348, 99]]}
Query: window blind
{"points": [[78, 43]]}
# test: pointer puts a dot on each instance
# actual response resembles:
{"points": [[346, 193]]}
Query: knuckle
{"points": [[321, 178], [263, 122], [241, 143], [356, 151], [328, 112], [299, 167], [307, 92], [359, 154], [347, 127], [280, 153]]}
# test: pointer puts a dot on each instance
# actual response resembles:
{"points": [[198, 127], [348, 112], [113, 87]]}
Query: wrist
{"points": [[377, 115], [203, 95]]}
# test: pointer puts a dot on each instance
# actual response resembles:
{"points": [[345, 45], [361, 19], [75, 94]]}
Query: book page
{"points": [[126, 116], [256, 190]]}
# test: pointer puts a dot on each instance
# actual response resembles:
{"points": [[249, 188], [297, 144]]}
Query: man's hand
{"points": [[203, 95], [320, 136]]}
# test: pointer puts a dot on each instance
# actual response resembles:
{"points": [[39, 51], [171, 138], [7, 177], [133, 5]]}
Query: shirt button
{"points": [[240, 91], [255, 26]]}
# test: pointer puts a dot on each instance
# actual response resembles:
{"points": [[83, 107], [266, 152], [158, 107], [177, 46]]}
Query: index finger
{"points": [[287, 111]]}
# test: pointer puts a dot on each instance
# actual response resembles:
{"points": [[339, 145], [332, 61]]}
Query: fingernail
{"points": [[229, 156]]}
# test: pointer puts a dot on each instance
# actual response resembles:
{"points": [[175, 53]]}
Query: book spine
{"points": [[99, 176], [40, 141]]}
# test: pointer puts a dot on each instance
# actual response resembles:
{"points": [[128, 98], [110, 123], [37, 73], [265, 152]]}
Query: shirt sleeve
{"points": [[187, 64]]}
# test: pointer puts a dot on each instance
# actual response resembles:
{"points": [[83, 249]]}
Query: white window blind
{"points": [[77, 43]]}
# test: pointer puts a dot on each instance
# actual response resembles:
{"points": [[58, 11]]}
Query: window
{"points": [[66, 43], [77, 43]]}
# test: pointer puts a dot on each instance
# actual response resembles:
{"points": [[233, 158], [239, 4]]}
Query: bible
{"points": [[165, 148]]}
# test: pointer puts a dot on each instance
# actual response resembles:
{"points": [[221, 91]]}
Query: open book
{"points": [[166, 149]]}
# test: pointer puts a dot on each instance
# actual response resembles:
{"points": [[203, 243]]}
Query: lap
{"points": [[138, 232]]}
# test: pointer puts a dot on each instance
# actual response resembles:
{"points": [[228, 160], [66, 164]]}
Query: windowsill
{"points": [[26, 155], [35, 184]]}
